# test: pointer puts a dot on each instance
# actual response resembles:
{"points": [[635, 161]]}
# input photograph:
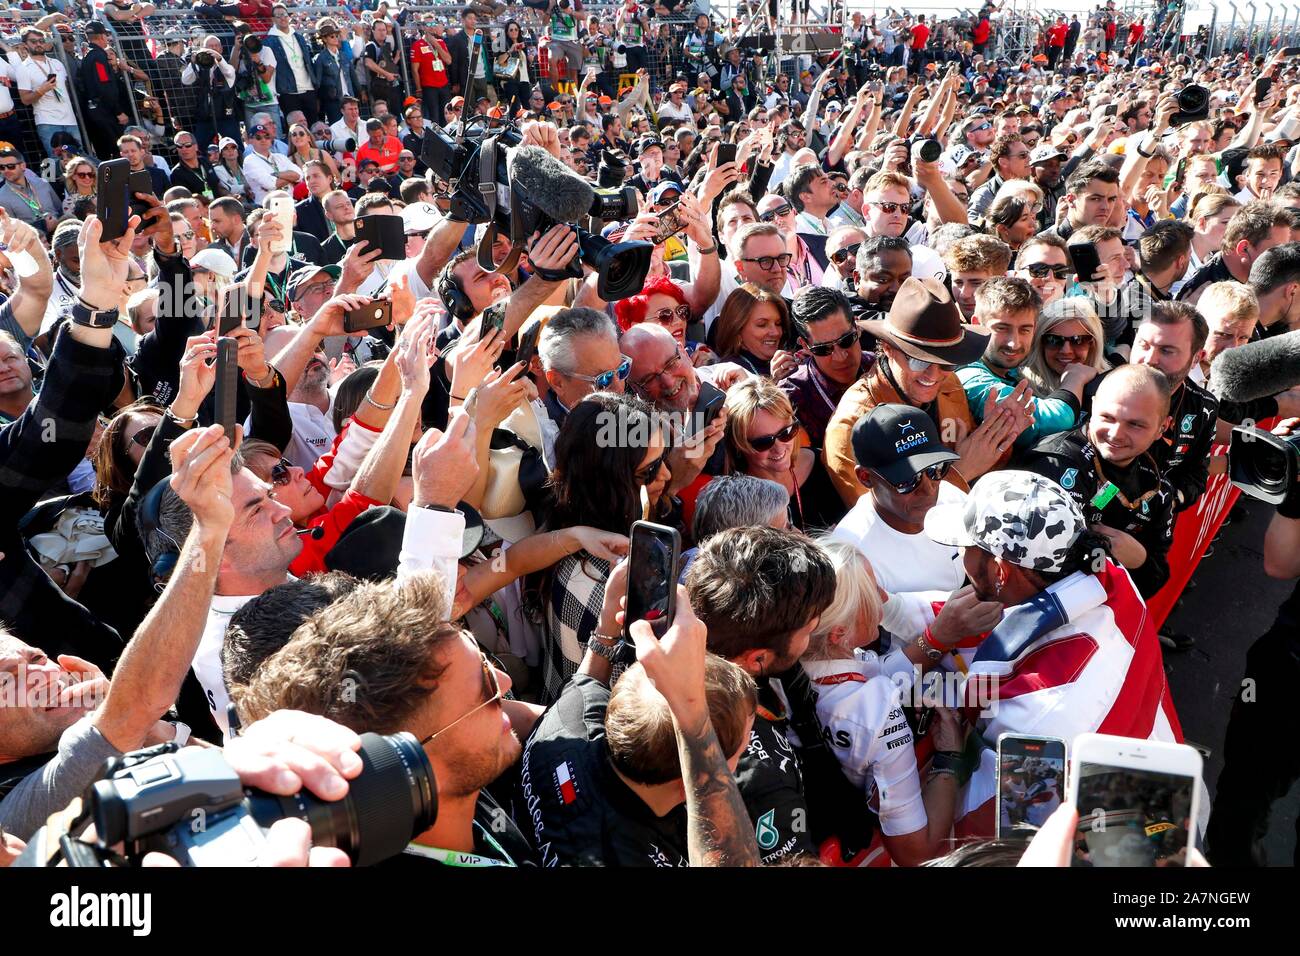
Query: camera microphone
{"points": [[1257, 369], [315, 533], [549, 185]]}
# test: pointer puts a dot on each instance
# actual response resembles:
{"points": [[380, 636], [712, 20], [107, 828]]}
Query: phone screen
{"points": [[652, 576], [1130, 817], [1031, 783], [1085, 260], [670, 223]]}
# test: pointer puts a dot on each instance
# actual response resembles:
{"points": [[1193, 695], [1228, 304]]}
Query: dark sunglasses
{"points": [[845, 341], [276, 305], [934, 473], [772, 214], [840, 255], [144, 436], [280, 474], [1053, 341], [650, 472], [1040, 270], [8, 165], [664, 316], [889, 208], [764, 442]]}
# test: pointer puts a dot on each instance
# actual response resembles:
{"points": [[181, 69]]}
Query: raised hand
{"points": [[443, 464], [201, 476]]}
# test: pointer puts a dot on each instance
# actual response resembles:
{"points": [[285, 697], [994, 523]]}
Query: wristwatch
{"points": [[602, 645], [84, 315], [932, 650]]}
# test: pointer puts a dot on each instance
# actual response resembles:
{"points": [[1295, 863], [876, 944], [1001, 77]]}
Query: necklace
{"points": [[1130, 505]]}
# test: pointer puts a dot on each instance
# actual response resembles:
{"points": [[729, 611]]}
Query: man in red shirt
{"points": [[980, 36], [430, 57], [1136, 31], [1055, 42], [920, 36], [383, 149]]}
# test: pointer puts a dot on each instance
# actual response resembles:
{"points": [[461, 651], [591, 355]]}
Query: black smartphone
{"points": [[376, 314], [1031, 783], [1110, 110], [51, 77], [384, 233], [726, 153], [652, 577], [138, 182], [113, 203], [711, 407], [1290, 52], [234, 308], [1262, 86], [226, 386], [489, 320], [1085, 260]]}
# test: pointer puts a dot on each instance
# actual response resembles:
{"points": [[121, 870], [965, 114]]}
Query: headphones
{"points": [[453, 295]]}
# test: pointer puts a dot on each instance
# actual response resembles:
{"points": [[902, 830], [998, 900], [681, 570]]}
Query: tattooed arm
{"points": [[718, 829]]}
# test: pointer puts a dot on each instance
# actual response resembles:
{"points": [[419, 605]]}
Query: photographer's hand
{"points": [[554, 250]]}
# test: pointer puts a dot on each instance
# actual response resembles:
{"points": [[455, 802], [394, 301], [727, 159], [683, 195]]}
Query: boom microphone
{"points": [[1258, 369], [548, 184]]}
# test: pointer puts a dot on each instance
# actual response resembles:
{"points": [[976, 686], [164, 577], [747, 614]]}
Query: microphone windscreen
{"points": [[1257, 369], [548, 184]]}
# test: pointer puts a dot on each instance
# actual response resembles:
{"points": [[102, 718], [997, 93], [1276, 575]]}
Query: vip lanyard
{"points": [[457, 858]]}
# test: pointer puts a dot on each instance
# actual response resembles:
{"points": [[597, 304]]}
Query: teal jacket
{"points": [[1058, 412]]}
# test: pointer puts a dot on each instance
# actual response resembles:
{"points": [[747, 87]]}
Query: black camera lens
{"points": [[394, 799], [1263, 465], [1193, 99], [621, 267], [928, 150]]}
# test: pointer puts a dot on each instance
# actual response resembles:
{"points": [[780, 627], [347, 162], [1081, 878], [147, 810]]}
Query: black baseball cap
{"points": [[898, 442]]}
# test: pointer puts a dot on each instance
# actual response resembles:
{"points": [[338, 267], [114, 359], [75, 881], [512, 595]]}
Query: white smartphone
{"points": [[1138, 801], [1031, 783], [281, 207]]}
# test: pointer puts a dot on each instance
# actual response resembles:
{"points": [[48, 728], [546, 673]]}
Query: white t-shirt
{"points": [[6, 72], [313, 434], [678, 114], [864, 722], [913, 568], [55, 107], [729, 283], [293, 53], [260, 172]]}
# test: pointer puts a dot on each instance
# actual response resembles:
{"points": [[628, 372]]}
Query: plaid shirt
{"points": [[39, 449]]}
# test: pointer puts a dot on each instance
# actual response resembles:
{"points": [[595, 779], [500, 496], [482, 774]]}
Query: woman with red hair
{"points": [[663, 302]]}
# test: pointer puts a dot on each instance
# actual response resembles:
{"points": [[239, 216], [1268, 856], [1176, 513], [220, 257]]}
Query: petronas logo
{"points": [[765, 833]]}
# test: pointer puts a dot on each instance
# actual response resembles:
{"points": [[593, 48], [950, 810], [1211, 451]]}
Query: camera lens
{"points": [[394, 799], [621, 267]]}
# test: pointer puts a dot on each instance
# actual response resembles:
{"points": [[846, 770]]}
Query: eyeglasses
{"points": [[186, 145], [764, 442], [604, 380], [7, 166], [281, 473], [672, 363], [1040, 270], [889, 208], [934, 473], [776, 213], [650, 472], [490, 685], [665, 316], [841, 188], [845, 342], [144, 436], [840, 255], [1053, 341], [86, 175], [767, 262]]}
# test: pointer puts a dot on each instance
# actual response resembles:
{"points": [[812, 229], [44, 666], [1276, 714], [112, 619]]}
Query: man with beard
{"points": [[909, 370], [883, 264], [424, 676], [1081, 658], [1107, 467], [830, 346], [1008, 311]]}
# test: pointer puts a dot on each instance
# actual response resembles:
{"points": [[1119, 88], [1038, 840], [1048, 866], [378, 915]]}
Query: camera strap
{"points": [[487, 185]]}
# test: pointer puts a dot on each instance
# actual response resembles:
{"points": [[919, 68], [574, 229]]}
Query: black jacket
{"points": [[311, 219], [1072, 462], [1183, 451], [458, 47], [198, 181], [99, 85]]}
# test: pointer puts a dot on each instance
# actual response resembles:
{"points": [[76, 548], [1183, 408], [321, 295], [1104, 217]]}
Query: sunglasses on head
{"points": [[764, 442], [845, 342], [840, 255], [1041, 270], [775, 213], [934, 473], [1053, 341]]}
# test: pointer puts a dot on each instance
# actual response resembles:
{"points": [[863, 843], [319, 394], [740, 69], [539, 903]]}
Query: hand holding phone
{"points": [[652, 577], [226, 385], [1031, 783], [374, 315]]}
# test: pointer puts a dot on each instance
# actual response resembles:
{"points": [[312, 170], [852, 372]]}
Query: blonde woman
{"points": [[1068, 332], [79, 180], [763, 440], [859, 705]]}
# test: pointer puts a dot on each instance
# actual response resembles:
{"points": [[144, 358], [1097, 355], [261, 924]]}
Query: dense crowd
{"points": [[920, 372]]}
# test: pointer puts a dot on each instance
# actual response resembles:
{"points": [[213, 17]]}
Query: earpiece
{"points": [[453, 296]]}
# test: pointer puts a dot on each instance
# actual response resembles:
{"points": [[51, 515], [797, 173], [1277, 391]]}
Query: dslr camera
{"points": [[1263, 465], [190, 804], [1193, 105], [204, 59]]}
